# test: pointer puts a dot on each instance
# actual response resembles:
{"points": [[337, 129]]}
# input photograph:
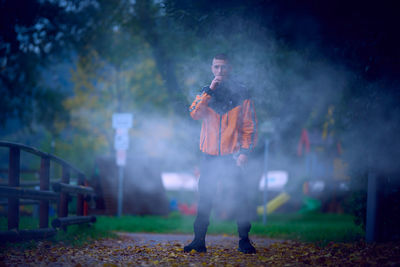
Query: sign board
{"points": [[267, 127], [122, 120], [121, 158], [121, 140]]}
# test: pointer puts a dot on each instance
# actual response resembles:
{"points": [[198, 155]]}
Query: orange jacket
{"points": [[229, 123]]}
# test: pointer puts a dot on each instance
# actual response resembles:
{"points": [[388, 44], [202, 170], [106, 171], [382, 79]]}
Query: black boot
{"points": [[197, 244], [245, 245], [199, 241]]}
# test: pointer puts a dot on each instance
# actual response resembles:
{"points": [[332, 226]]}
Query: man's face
{"points": [[220, 68]]}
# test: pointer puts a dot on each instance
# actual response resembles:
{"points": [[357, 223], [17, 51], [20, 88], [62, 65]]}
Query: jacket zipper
{"points": [[220, 133], [202, 143]]}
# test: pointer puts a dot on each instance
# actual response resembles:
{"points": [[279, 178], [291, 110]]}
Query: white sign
{"points": [[122, 120], [179, 181], [121, 141], [267, 127], [276, 180], [121, 157]]}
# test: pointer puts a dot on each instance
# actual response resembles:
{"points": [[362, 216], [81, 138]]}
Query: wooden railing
{"points": [[62, 189]]}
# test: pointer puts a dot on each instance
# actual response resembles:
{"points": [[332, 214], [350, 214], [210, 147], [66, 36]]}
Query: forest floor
{"points": [[142, 249]]}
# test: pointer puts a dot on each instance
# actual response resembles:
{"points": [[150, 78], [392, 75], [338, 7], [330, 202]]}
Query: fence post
{"points": [[79, 202], [13, 180], [63, 208], [44, 185]]}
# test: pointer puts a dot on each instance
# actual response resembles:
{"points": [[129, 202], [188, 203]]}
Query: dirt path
{"points": [[182, 239], [141, 249]]}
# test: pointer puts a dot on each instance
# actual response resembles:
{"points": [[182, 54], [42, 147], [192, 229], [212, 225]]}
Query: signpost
{"points": [[121, 122]]}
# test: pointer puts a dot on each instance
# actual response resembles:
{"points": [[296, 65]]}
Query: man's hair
{"points": [[221, 57]]}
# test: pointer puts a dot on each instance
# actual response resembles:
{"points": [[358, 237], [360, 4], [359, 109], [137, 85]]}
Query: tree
{"points": [[29, 38]]}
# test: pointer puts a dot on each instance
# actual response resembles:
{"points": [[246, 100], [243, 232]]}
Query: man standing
{"points": [[228, 135]]}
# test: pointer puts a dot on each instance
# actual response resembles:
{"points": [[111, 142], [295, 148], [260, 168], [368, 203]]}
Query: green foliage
{"points": [[79, 235], [76, 235], [101, 89], [317, 227], [357, 202], [312, 227], [25, 222], [150, 224], [358, 207]]}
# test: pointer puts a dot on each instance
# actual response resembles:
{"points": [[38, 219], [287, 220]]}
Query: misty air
{"points": [[199, 133]]}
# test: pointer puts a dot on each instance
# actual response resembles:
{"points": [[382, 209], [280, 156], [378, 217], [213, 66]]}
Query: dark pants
{"points": [[222, 171]]}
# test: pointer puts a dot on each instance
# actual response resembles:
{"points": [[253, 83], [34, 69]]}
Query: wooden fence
{"points": [[62, 190]]}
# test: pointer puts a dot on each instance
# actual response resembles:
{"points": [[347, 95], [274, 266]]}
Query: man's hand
{"points": [[214, 84], [241, 160]]}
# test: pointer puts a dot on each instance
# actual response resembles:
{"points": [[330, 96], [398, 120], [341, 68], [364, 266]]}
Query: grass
{"points": [[75, 235], [317, 227]]}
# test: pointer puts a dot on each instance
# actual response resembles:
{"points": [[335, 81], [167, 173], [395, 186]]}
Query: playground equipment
{"points": [[275, 203]]}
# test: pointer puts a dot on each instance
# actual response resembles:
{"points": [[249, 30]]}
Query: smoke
{"points": [[371, 133], [297, 87], [172, 140], [294, 87]]}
